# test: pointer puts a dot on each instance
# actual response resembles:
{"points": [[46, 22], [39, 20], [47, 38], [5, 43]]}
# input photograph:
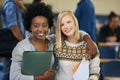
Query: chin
{"points": [[41, 38]]}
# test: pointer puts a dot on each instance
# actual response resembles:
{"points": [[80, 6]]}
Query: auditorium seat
{"points": [[107, 52], [110, 69]]}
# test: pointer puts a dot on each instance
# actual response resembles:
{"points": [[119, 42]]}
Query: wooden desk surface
{"points": [[109, 43], [108, 60], [111, 78]]}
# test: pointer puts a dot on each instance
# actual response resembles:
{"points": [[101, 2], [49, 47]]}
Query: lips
{"points": [[68, 30]]}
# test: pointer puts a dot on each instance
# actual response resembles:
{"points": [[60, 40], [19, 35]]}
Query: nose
{"points": [[66, 26], [40, 29]]}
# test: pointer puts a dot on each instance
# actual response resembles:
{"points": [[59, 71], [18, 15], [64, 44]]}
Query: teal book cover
{"points": [[35, 62]]}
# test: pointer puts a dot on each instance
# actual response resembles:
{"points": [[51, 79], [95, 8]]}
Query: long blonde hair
{"points": [[59, 35]]}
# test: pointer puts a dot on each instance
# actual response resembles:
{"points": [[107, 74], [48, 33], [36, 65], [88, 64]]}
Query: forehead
{"points": [[115, 19], [39, 19], [66, 17]]}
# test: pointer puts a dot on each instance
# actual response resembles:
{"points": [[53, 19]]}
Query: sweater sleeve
{"points": [[15, 70], [51, 38], [95, 68]]}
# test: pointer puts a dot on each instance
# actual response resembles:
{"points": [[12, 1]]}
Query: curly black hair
{"points": [[36, 1], [39, 9]]}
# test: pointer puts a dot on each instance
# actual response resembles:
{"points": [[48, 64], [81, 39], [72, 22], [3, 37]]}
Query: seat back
{"points": [[107, 52], [110, 69]]}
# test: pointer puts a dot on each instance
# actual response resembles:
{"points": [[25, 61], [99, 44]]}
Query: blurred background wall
{"points": [[102, 7]]}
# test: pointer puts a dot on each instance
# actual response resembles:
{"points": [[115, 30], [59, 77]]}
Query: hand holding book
{"points": [[48, 75], [36, 63]]}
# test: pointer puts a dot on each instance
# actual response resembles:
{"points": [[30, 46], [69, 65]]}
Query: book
{"points": [[35, 62], [82, 71]]}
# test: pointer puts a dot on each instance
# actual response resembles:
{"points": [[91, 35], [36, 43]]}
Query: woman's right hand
{"points": [[48, 75]]}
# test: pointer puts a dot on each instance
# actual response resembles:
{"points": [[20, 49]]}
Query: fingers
{"points": [[49, 72]]}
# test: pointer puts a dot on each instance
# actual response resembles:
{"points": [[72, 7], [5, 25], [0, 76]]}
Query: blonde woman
{"points": [[70, 50]]}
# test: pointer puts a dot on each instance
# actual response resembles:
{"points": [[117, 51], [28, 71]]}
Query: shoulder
{"points": [[51, 38], [104, 27], [17, 52], [9, 3], [23, 43]]}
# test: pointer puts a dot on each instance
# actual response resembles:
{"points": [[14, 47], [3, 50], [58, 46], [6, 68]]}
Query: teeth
{"points": [[67, 30], [41, 34]]}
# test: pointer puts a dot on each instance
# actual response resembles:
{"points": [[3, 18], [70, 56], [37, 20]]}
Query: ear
{"points": [[30, 29]]}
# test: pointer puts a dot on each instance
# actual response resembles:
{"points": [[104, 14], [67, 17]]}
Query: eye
{"points": [[35, 25], [68, 21], [45, 25]]}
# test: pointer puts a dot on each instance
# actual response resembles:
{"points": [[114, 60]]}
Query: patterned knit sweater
{"points": [[69, 55]]}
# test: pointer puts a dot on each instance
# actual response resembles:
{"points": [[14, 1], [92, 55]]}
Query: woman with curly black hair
{"points": [[38, 20]]}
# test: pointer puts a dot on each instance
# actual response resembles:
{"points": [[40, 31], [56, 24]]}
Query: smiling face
{"points": [[67, 28], [68, 25], [39, 27]]}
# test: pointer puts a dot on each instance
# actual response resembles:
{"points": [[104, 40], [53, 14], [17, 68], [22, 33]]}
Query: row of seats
{"points": [[108, 52], [110, 68]]}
